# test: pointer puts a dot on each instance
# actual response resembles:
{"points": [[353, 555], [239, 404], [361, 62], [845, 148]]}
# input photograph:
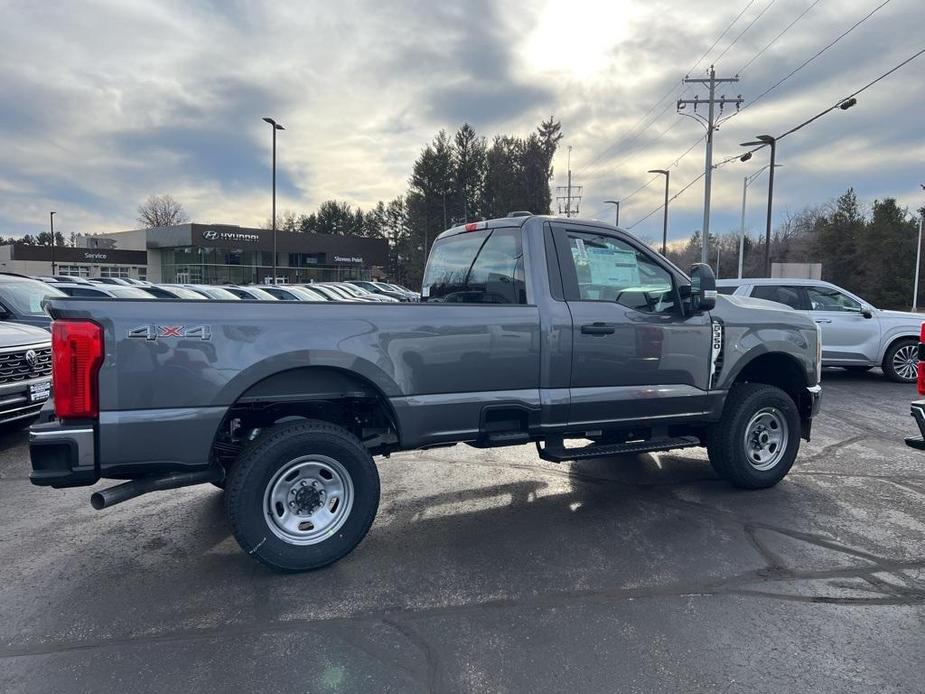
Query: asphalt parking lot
{"points": [[491, 571]]}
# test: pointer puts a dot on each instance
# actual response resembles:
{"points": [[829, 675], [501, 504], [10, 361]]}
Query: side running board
{"points": [[560, 454]]}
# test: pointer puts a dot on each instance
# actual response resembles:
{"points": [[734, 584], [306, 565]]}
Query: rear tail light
{"points": [[77, 353]]}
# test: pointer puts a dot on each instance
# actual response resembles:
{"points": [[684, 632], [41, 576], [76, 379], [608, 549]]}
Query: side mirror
{"points": [[703, 288], [867, 311]]}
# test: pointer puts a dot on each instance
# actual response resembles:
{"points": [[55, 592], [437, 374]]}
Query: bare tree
{"points": [[161, 211]]}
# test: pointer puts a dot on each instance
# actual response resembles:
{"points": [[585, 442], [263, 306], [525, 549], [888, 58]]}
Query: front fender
{"points": [[742, 345]]}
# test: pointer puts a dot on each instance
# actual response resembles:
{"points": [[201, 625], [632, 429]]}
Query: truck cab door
{"points": [[635, 354]]}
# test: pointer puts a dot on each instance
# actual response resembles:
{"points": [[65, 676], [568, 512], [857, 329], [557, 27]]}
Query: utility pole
{"points": [[711, 124], [568, 197]]}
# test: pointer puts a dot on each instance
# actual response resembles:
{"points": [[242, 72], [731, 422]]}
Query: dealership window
{"points": [[140, 272], [113, 271], [74, 270]]}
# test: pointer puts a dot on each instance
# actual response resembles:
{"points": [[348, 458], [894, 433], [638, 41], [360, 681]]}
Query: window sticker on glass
{"points": [[609, 266]]}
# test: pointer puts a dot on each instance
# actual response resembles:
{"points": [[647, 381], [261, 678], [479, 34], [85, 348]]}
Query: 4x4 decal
{"points": [[153, 332]]}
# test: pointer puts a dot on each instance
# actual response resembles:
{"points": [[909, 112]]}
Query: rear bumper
{"points": [[918, 414], [63, 455]]}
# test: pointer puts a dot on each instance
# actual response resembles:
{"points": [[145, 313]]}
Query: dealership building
{"points": [[206, 254]]}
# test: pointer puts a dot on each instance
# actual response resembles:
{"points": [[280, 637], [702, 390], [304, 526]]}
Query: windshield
{"points": [[219, 293], [183, 293], [259, 294], [129, 293], [25, 296], [307, 294]]}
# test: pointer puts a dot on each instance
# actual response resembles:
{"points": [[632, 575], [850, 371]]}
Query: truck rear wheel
{"points": [[755, 443], [302, 496]]}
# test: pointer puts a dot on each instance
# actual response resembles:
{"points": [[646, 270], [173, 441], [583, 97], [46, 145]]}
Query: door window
{"points": [[608, 269], [827, 299], [789, 296]]}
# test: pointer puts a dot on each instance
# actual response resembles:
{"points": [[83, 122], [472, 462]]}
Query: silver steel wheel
{"points": [[308, 500], [905, 360], [766, 438]]}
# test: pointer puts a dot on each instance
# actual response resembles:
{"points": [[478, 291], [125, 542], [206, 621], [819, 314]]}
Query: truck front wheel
{"points": [[302, 496], [755, 443]]}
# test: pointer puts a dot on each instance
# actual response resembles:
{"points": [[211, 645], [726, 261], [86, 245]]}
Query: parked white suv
{"points": [[855, 335]]}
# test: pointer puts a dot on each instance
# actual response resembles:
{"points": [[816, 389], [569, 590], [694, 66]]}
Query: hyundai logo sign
{"points": [[213, 235]]}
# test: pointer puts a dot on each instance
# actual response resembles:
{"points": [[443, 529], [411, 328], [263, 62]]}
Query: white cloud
{"points": [[109, 101]]}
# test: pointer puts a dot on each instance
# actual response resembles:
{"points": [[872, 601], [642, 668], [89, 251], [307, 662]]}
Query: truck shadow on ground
{"points": [[606, 528]]}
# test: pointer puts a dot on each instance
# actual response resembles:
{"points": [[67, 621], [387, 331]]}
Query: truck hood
{"points": [[16, 334]]}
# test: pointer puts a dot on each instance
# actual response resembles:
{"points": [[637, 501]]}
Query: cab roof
{"points": [[520, 220]]}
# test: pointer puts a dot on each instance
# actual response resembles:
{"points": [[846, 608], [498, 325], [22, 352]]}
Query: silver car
{"points": [[855, 334]]}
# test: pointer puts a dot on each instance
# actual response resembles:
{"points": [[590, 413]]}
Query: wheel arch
{"points": [[326, 393], [891, 341], [782, 370]]}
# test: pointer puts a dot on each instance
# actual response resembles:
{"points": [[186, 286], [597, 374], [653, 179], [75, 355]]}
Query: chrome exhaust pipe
{"points": [[129, 490]]}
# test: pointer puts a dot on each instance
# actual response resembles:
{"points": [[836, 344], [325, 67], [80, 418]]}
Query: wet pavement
{"points": [[492, 571]]}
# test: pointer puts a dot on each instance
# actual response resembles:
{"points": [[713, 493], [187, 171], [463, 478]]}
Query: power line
{"points": [[720, 37], [636, 135], [632, 134], [776, 38], [750, 25], [673, 197], [689, 184], [816, 55], [674, 163], [838, 103], [792, 130], [658, 137]]}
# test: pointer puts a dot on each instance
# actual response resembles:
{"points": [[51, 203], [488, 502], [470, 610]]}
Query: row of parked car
{"points": [[21, 297], [124, 288], [25, 343]]}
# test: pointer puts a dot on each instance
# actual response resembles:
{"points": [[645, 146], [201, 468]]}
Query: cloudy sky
{"points": [[107, 102]]}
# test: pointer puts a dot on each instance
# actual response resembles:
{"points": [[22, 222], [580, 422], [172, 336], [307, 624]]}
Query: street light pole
{"points": [[767, 231], [276, 126], [51, 224], [667, 174], [918, 259], [746, 182], [772, 143], [742, 226], [616, 221]]}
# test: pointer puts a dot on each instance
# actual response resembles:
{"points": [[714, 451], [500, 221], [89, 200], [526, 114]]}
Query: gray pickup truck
{"points": [[530, 329]]}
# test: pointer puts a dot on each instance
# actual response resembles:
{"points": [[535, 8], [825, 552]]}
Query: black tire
{"points": [[255, 472], [857, 369], [892, 369], [726, 440]]}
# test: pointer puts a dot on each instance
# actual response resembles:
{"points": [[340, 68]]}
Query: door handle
{"points": [[598, 329], [823, 320]]}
